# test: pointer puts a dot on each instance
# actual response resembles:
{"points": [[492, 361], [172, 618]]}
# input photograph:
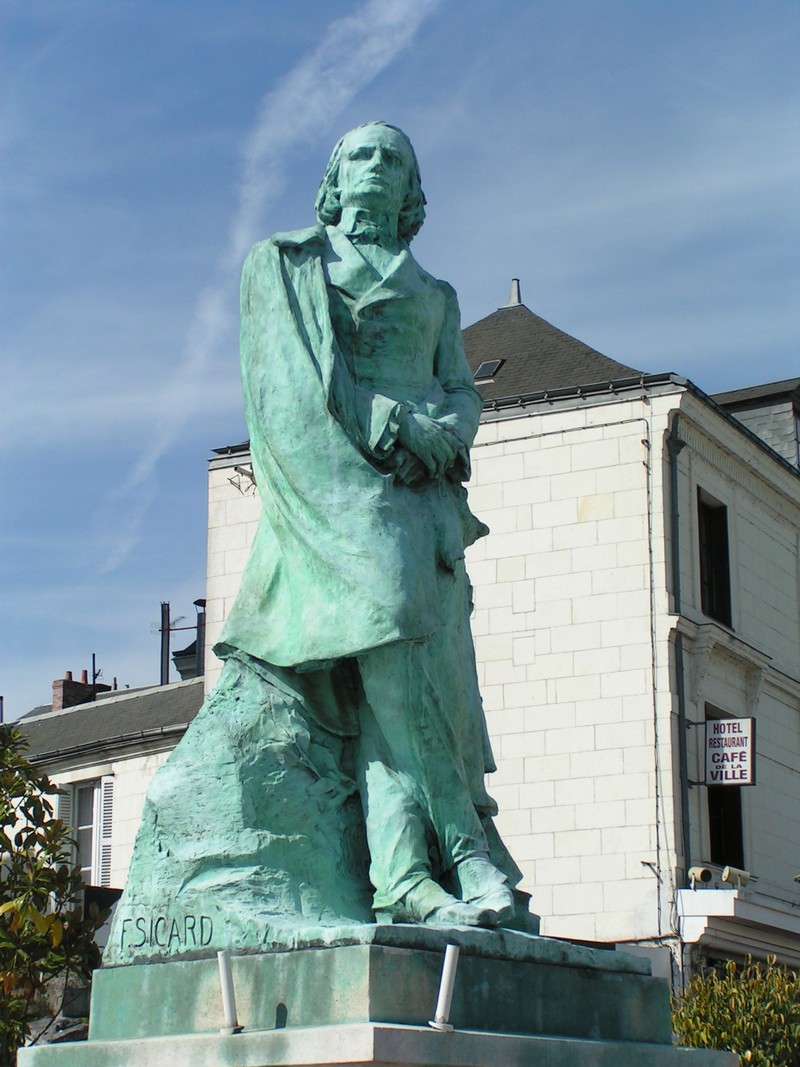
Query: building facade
{"points": [[101, 750], [641, 578]]}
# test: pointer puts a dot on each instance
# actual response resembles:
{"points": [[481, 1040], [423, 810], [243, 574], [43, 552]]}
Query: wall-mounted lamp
{"points": [[735, 875], [699, 874]]}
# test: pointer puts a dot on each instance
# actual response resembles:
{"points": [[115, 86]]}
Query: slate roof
{"points": [[124, 718], [754, 393], [538, 356]]}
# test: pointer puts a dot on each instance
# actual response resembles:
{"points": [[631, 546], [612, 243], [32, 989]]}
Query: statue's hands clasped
{"points": [[436, 446]]}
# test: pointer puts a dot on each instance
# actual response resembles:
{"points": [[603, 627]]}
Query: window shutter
{"points": [[63, 811], [106, 808], [63, 805]]}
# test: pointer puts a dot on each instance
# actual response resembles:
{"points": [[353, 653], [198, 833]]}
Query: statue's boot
{"points": [[428, 903], [481, 885]]}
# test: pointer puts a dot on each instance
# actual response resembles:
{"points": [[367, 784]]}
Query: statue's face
{"points": [[375, 169]]}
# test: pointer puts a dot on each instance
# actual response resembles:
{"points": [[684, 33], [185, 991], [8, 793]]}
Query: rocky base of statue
{"points": [[208, 875], [517, 1000]]}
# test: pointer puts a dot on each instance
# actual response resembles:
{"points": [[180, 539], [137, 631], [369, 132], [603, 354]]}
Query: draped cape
{"points": [[345, 558]]}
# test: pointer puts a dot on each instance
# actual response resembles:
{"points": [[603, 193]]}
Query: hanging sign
{"points": [[731, 752]]}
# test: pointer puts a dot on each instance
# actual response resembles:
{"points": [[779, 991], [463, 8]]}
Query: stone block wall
{"points": [[566, 647], [233, 513]]}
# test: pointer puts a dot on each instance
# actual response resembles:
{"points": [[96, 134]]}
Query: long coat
{"points": [[346, 558]]}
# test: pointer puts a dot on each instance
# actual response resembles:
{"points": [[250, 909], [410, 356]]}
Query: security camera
{"points": [[699, 874], [734, 874]]}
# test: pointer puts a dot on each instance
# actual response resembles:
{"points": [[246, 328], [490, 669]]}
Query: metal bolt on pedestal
{"points": [[228, 996], [448, 980]]}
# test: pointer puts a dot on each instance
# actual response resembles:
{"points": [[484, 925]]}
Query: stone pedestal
{"points": [[367, 1000]]}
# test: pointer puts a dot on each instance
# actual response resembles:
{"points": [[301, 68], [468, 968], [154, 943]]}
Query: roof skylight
{"points": [[487, 370]]}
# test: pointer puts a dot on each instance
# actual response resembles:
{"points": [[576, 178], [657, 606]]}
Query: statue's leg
{"points": [[397, 832], [420, 746], [426, 719], [415, 793]]}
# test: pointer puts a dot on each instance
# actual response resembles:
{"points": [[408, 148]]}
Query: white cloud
{"points": [[354, 50]]}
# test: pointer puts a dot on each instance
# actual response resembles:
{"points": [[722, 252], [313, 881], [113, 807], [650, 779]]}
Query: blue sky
{"points": [[635, 163]]}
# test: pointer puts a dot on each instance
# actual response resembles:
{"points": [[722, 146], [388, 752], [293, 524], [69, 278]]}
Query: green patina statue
{"points": [[335, 775]]}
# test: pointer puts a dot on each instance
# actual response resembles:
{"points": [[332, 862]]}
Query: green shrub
{"points": [[43, 933], [753, 1010]]}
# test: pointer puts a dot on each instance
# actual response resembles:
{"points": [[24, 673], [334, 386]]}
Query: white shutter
{"points": [[63, 805], [104, 829], [63, 811]]}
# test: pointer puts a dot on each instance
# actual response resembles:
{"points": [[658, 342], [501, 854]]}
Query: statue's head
{"points": [[411, 199]]}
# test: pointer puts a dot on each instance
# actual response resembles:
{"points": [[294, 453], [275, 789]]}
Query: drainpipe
{"points": [[674, 448]]}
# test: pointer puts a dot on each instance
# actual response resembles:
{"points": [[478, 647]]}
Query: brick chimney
{"points": [[67, 692]]}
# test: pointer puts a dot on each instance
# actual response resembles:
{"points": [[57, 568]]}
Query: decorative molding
{"points": [[740, 471], [755, 685], [702, 647], [709, 639]]}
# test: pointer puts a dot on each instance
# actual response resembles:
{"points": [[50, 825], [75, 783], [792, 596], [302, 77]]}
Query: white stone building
{"points": [[642, 576]]}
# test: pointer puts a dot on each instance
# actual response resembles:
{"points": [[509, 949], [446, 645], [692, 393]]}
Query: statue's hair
{"points": [[328, 203]]}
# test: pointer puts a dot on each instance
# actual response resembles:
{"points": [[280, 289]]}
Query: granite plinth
{"points": [[507, 982], [517, 999]]}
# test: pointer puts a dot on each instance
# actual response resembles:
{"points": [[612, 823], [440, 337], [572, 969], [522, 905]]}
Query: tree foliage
{"points": [[753, 1010], [43, 933]]}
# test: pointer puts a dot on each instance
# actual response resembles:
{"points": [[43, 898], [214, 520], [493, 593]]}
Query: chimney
{"points": [[513, 297], [67, 693]]}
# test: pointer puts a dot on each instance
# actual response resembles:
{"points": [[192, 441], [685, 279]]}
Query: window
{"points": [[715, 577], [487, 370], [85, 800], [86, 807], [725, 834], [725, 825]]}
